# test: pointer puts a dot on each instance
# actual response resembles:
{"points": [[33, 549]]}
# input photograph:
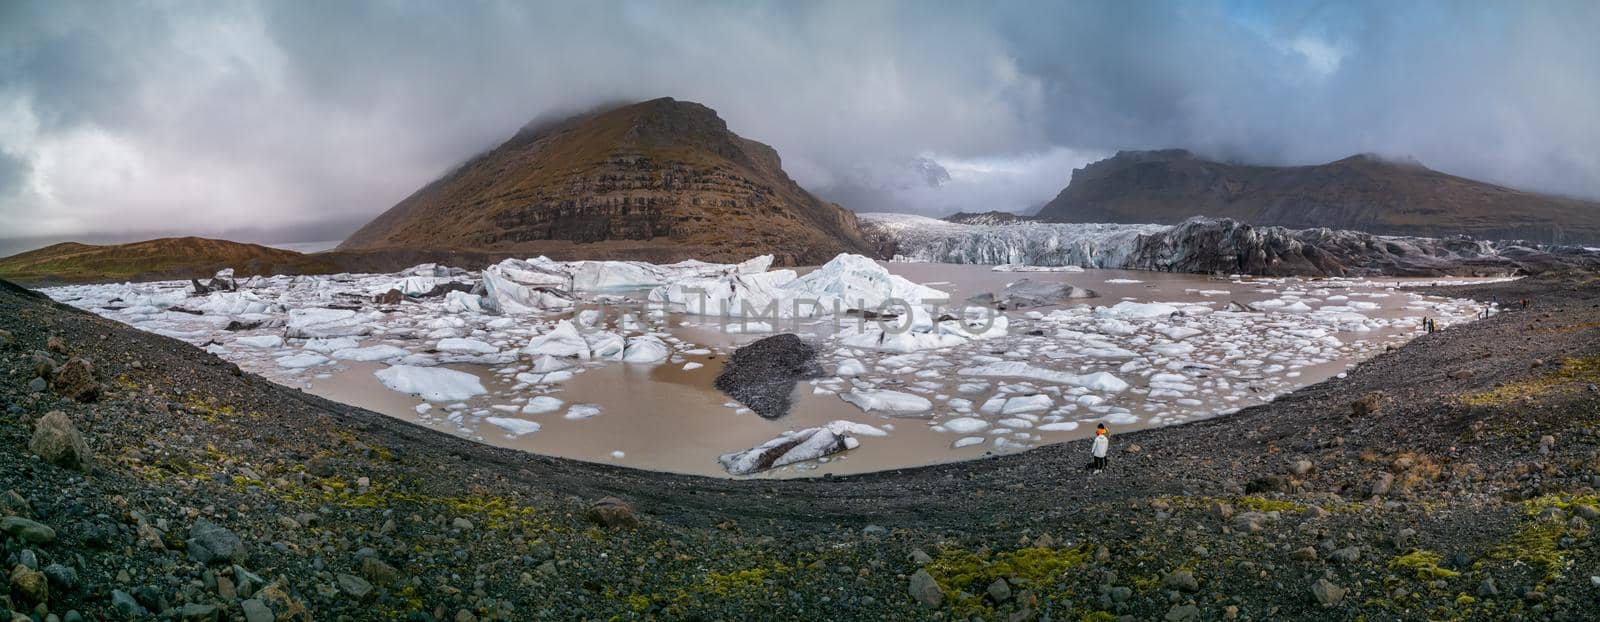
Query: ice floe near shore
{"points": [[435, 384]]}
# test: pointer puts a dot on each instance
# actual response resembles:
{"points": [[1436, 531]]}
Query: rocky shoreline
{"points": [[1451, 478]]}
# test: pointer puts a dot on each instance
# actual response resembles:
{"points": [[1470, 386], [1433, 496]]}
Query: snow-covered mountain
{"points": [[1212, 245]]}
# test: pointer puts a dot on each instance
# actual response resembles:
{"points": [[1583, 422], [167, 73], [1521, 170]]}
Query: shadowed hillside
{"points": [[1361, 193]]}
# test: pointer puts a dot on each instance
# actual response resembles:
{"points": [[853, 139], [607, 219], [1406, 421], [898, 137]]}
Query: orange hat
{"points": [[1100, 431]]}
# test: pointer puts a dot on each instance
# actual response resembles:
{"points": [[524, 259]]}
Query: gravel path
{"points": [[1452, 478]]}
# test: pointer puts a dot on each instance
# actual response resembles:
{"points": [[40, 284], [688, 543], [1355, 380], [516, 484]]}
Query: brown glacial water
{"points": [[663, 417]]}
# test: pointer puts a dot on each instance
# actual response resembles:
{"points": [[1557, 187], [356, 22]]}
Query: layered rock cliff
{"points": [[659, 180]]}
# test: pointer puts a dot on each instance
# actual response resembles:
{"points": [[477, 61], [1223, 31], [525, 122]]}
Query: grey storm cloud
{"points": [[263, 116]]}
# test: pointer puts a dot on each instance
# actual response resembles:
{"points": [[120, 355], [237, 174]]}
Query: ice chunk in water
{"points": [[582, 411], [964, 425], [1026, 404], [645, 349], [792, 447], [459, 345], [328, 346], [886, 400], [563, 341], [516, 427], [849, 368], [1097, 381], [435, 384], [540, 405], [319, 322], [1128, 309], [302, 360], [260, 341], [370, 353], [462, 302]]}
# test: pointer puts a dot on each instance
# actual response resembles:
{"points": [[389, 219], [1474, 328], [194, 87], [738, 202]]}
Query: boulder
{"points": [[28, 531], [75, 381], [212, 543], [1327, 592], [29, 584], [925, 590], [1181, 580], [1369, 404], [58, 442], [355, 586], [612, 512]]}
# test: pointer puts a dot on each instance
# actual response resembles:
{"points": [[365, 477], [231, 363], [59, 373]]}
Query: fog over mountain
{"points": [[299, 120]]}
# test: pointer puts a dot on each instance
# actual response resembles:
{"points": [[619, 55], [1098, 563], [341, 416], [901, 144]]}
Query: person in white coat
{"points": [[1102, 444]]}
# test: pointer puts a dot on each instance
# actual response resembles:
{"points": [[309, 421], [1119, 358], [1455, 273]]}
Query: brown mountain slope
{"points": [[187, 257], [191, 257], [1361, 193], [658, 180]]}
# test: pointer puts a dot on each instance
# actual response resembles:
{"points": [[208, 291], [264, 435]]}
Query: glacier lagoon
{"points": [[617, 371]]}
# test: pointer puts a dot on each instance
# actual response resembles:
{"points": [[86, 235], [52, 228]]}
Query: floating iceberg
{"points": [[319, 322], [645, 349], [260, 341], [1097, 381], [515, 427], [458, 345], [435, 384], [792, 447], [888, 401], [370, 353]]}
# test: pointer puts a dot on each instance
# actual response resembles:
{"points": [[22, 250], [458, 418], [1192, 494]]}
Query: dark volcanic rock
{"points": [[762, 375]]}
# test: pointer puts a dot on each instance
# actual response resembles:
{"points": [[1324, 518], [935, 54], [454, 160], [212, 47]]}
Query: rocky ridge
{"points": [[1361, 192]]}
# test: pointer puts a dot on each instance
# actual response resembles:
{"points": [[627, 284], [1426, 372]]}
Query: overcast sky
{"points": [[298, 119]]}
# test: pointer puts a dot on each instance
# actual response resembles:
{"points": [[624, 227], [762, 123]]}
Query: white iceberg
{"points": [[260, 341], [435, 384], [645, 349], [459, 345], [515, 427], [886, 400], [370, 353]]}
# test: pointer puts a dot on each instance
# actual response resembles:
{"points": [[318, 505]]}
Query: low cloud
{"points": [[306, 117]]}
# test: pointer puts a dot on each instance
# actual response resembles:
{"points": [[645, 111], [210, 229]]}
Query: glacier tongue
{"points": [[1204, 245]]}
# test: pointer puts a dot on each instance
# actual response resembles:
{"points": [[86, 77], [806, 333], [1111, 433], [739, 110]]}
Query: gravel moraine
{"points": [[1452, 478]]}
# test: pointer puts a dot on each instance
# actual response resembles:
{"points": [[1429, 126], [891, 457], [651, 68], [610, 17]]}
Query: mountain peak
{"points": [[661, 180]]}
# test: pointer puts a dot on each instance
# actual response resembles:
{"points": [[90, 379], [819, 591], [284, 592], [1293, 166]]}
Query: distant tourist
{"points": [[1102, 443]]}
